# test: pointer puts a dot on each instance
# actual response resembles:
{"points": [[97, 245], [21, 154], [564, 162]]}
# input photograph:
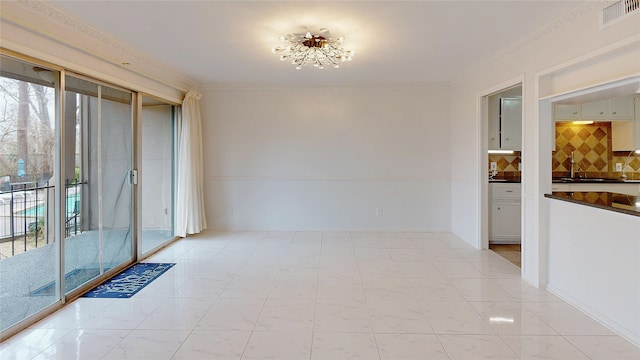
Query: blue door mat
{"points": [[129, 282]]}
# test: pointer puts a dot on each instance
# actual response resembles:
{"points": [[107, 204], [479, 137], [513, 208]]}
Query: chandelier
{"points": [[316, 50]]}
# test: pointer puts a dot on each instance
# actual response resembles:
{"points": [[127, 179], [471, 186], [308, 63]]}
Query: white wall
{"points": [[156, 175], [326, 158], [596, 264]]}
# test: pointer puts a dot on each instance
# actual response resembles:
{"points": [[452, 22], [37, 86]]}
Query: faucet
{"points": [[572, 163], [624, 166]]}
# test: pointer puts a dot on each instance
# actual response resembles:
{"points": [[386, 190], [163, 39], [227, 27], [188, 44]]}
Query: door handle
{"points": [[133, 177]]}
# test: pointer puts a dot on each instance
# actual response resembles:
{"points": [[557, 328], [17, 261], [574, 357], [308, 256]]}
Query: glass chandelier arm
{"points": [[316, 50]]}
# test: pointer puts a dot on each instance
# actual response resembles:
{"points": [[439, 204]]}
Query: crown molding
{"points": [[98, 44], [367, 85], [584, 9]]}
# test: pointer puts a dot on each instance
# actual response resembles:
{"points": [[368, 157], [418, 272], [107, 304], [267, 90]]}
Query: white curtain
{"points": [[190, 193]]}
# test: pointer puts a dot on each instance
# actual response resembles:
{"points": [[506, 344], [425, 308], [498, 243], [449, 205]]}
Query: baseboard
{"points": [[326, 229], [594, 314], [504, 242]]}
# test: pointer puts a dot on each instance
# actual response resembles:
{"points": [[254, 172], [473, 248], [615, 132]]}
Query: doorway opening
{"points": [[502, 114]]}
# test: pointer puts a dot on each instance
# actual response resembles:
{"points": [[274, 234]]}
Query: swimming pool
{"points": [[73, 206]]}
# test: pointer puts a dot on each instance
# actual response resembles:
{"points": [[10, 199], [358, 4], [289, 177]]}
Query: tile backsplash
{"points": [[507, 165], [593, 156], [592, 152]]}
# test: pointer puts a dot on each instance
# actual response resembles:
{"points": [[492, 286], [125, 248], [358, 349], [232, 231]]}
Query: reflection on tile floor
{"points": [[331, 295]]}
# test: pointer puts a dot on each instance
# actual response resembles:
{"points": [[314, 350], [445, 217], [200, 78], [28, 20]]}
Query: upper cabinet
{"points": [[620, 108], [494, 123], [511, 123], [505, 123], [594, 110], [614, 109], [564, 112], [625, 131]]}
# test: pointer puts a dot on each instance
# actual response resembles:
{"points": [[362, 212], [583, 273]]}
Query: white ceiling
{"points": [[395, 41]]}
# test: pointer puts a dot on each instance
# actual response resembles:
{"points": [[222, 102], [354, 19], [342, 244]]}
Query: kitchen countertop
{"points": [[505, 180], [593, 181], [571, 181], [626, 204]]}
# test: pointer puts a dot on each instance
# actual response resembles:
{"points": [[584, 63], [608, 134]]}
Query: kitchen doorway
{"points": [[501, 151]]}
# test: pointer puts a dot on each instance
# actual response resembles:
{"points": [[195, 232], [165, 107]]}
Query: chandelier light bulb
{"points": [[310, 49]]}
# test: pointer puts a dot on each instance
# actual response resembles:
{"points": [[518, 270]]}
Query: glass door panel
{"points": [[157, 173], [115, 161], [98, 193], [28, 251]]}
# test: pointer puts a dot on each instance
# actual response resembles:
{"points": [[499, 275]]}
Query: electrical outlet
{"points": [[618, 167], [378, 211], [519, 166], [494, 165]]}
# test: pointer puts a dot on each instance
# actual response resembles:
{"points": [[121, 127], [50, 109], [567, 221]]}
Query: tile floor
{"points": [[313, 295]]}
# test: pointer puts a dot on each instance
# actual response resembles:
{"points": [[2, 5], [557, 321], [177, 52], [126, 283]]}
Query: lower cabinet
{"points": [[504, 216]]}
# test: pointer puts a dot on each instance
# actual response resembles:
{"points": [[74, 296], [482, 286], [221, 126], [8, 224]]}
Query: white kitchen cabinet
{"points": [[511, 123], [504, 215], [567, 112], [560, 187], [505, 223], [614, 109], [620, 108], [594, 110], [505, 123]]}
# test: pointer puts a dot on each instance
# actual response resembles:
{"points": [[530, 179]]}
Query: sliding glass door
{"points": [[28, 250], [97, 177], [157, 175], [67, 175]]}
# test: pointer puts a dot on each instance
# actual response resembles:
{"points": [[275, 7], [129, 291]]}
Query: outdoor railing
{"points": [[23, 217], [27, 215]]}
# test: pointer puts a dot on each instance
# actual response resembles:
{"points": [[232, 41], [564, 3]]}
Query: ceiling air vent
{"points": [[619, 10]]}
